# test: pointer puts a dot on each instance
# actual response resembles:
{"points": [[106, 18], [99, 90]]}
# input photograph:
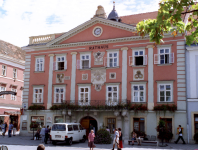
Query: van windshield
{"points": [[58, 127]]}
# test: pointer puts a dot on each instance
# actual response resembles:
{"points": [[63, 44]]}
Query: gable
{"points": [[108, 32]]}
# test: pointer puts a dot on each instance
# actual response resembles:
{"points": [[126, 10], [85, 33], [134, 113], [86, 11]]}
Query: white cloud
{"points": [[25, 18]]}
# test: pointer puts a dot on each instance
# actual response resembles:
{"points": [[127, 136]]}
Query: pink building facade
{"points": [[103, 62]]}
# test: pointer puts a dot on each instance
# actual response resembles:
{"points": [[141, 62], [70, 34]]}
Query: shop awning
{"points": [[12, 112]]}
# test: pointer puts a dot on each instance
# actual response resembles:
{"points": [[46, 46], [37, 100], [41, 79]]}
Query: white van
{"points": [[67, 132]]}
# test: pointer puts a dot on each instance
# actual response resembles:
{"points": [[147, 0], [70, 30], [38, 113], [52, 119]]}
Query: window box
{"points": [[36, 107], [164, 108], [138, 107]]}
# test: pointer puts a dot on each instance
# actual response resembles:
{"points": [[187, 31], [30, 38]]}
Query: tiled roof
{"points": [[134, 19], [11, 50]]}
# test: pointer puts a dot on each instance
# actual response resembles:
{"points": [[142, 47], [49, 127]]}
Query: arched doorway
{"points": [[86, 123]]}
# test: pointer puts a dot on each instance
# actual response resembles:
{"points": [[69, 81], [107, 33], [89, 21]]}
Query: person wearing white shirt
{"points": [[116, 138], [180, 136]]}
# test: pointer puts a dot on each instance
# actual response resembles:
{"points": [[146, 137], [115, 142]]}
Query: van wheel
{"points": [[54, 142], [69, 141], [84, 139]]}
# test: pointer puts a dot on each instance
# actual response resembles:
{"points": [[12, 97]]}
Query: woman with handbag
{"points": [[91, 140]]}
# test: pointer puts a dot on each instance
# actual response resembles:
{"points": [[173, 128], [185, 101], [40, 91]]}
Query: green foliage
{"points": [[138, 107], [171, 19], [196, 137], [34, 125], [103, 137], [164, 108], [36, 107]]}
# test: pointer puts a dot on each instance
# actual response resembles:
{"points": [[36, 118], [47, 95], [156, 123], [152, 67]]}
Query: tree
{"points": [[170, 19]]}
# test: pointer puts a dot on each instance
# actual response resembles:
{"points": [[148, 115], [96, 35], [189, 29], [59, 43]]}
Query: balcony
{"points": [[41, 39]]}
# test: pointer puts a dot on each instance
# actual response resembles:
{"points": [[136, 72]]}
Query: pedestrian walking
{"points": [[180, 136], [116, 138], [91, 139], [42, 133], [120, 138], [10, 129], [46, 134], [41, 147], [37, 135]]}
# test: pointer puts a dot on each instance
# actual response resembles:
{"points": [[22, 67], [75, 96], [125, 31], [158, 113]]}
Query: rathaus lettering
{"points": [[98, 47]]}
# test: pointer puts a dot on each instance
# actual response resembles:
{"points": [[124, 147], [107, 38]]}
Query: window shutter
{"points": [[78, 64], [54, 65], [130, 60], [105, 61], [156, 58], [171, 58], [65, 65], [145, 60]]}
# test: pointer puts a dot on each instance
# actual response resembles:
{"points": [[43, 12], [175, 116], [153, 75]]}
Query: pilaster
{"points": [[73, 76]]}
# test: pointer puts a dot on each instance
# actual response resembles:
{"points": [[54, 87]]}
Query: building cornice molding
{"points": [[192, 48], [13, 60]]}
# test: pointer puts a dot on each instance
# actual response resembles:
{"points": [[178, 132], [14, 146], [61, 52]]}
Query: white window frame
{"points": [[157, 58], [14, 73], [43, 63], [4, 69], [158, 91], [85, 54], [65, 61], [2, 96], [38, 87], [79, 93], [108, 58], [64, 92], [112, 102], [132, 91], [13, 97]]}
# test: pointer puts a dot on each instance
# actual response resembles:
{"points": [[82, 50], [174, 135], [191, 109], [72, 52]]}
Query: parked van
{"points": [[67, 132]]}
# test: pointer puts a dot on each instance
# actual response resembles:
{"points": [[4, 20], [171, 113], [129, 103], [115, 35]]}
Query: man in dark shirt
{"points": [[46, 134]]}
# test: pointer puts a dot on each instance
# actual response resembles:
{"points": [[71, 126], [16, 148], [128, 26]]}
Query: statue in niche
{"points": [[98, 58]]}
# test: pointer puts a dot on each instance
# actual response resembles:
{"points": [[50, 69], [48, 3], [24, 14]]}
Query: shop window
{"points": [[111, 124], [37, 119], [168, 123], [196, 123], [138, 124], [58, 119]]}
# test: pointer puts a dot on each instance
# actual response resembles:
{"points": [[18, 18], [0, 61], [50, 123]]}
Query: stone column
{"points": [[126, 129], [119, 122], [150, 77], [73, 76], [124, 73], [49, 102]]}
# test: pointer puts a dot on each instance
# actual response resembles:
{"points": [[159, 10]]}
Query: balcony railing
{"points": [[41, 39]]}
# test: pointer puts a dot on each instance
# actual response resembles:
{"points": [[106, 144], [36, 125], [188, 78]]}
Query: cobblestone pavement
{"points": [[20, 143]]}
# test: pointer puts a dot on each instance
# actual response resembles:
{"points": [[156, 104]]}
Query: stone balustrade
{"points": [[41, 39]]}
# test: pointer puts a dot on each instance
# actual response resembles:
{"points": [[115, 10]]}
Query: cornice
{"points": [[11, 59], [88, 24]]}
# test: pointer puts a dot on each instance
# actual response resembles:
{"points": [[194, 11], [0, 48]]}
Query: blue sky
{"points": [[21, 19]]}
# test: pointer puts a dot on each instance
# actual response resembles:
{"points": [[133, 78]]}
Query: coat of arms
{"points": [[98, 58]]}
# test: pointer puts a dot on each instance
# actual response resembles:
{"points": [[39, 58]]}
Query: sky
{"points": [[20, 19]]}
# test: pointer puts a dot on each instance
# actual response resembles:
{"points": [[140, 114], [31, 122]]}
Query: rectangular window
{"points": [[69, 127], [14, 73], [168, 123], [111, 124], [112, 59], [61, 63], [4, 68], [138, 124], [138, 93], [13, 97], [58, 119], [58, 127], [164, 56], [112, 95], [84, 96], [39, 64], [75, 127], [59, 94], [2, 88], [38, 120], [138, 58], [85, 61], [196, 123], [165, 92], [38, 95]]}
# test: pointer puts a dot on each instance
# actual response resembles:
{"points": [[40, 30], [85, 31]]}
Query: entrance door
{"points": [[87, 122]]}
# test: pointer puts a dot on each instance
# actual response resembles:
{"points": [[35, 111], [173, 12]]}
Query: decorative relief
{"points": [[112, 75], [138, 74], [67, 77], [84, 76], [98, 58], [98, 78], [60, 78]]}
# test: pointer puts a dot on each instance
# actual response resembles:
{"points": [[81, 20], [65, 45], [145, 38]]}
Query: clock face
{"points": [[97, 31]]}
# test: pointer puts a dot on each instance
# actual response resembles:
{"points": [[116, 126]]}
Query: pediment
{"points": [[84, 32]]}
